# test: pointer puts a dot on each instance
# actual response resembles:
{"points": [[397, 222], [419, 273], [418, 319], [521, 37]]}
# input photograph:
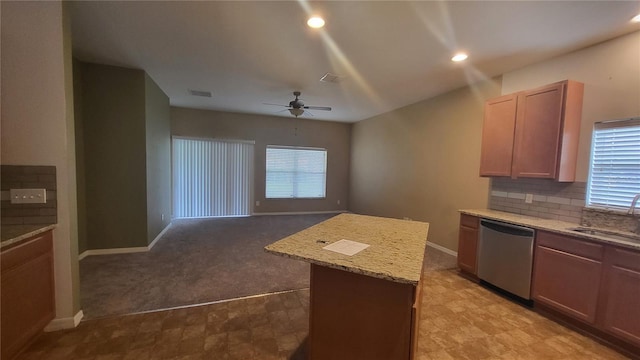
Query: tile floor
{"points": [[460, 320]]}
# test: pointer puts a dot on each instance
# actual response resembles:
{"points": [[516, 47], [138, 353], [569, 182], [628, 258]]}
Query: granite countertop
{"points": [[556, 226], [396, 250], [12, 234]]}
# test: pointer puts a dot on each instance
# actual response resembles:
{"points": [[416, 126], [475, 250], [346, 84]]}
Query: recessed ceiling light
{"points": [[636, 19], [315, 22], [459, 57]]}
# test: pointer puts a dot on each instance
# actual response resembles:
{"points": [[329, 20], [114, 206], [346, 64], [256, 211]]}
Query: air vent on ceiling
{"points": [[332, 78], [200, 93]]}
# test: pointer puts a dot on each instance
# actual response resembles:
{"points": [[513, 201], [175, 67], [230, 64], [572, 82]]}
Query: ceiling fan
{"points": [[297, 107]]}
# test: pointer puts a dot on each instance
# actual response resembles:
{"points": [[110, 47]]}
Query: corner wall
{"points": [[113, 122], [37, 122], [158, 166], [422, 161]]}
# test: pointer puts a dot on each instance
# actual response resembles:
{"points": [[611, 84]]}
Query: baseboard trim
{"points": [[442, 248], [299, 212], [65, 323], [150, 246], [124, 250]]}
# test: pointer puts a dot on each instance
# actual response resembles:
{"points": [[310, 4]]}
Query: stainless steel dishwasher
{"points": [[505, 256]]}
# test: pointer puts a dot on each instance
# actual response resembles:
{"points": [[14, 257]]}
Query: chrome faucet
{"points": [[632, 208]]}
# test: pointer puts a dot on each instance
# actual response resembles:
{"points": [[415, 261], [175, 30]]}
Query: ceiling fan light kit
{"points": [[296, 106]]}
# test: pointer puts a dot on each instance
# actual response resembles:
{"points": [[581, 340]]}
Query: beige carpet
{"points": [[203, 260]]}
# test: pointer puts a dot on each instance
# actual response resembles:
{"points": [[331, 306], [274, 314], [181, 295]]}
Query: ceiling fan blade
{"points": [[318, 108], [275, 104]]}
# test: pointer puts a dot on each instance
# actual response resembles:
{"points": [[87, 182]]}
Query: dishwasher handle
{"points": [[507, 228]]}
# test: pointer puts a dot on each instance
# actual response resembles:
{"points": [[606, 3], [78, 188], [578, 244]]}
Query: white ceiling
{"points": [[391, 53]]}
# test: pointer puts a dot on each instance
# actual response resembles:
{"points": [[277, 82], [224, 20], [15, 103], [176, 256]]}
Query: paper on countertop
{"points": [[346, 247]]}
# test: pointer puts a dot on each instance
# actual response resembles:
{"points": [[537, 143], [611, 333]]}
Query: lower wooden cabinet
{"points": [[468, 244], [567, 274], [621, 305], [596, 284], [26, 292]]}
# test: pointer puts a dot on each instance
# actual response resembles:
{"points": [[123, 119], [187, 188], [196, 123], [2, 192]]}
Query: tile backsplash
{"points": [[28, 177], [551, 199]]}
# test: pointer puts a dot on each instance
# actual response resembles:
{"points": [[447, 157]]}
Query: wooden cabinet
{"points": [[596, 284], [355, 316], [566, 275], [621, 294], [533, 134], [468, 244], [26, 291], [498, 133]]}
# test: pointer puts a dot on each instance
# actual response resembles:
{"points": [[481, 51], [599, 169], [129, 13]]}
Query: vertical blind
{"points": [[615, 163], [295, 172], [211, 178]]}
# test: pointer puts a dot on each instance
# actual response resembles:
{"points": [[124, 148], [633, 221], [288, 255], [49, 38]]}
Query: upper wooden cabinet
{"points": [[533, 133]]}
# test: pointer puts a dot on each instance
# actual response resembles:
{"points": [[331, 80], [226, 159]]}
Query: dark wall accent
{"points": [[124, 160], [28, 177]]}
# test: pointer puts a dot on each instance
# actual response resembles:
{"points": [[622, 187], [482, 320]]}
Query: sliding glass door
{"points": [[212, 177]]}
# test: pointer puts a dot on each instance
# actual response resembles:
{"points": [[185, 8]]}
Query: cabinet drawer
{"points": [[570, 245], [469, 221], [625, 258], [31, 249]]}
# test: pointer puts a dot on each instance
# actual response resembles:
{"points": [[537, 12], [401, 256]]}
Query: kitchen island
{"points": [[366, 305]]}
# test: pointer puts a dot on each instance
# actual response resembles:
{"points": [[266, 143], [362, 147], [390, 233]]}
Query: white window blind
{"points": [[295, 172], [211, 178], [615, 164]]}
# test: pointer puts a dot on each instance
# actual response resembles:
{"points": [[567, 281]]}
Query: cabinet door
{"points": [[567, 282], [538, 129], [498, 135], [27, 303], [468, 249], [622, 310]]}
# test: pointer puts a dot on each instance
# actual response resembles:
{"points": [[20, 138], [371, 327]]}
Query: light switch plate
{"points": [[28, 196]]}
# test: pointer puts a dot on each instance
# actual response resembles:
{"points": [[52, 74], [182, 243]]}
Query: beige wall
{"points": [[272, 130], [422, 161], [610, 72], [37, 122]]}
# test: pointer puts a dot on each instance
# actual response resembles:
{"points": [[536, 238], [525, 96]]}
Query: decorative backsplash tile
{"points": [[550, 199], [28, 177]]}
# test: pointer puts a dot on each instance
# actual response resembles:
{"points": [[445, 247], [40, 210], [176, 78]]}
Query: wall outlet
{"points": [[338, 202], [162, 217], [257, 202], [28, 196], [528, 198]]}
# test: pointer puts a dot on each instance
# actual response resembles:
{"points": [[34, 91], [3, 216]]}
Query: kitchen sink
{"points": [[607, 234]]}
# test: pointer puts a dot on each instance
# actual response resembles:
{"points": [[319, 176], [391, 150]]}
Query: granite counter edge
{"points": [[355, 270], [560, 227], [18, 238]]}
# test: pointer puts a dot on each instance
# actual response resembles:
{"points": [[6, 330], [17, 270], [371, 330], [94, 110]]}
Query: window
{"points": [[295, 172], [614, 176], [212, 177]]}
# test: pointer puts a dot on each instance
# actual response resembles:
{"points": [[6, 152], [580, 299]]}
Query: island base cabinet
{"points": [[27, 293], [622, 303], [358, 317]]}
